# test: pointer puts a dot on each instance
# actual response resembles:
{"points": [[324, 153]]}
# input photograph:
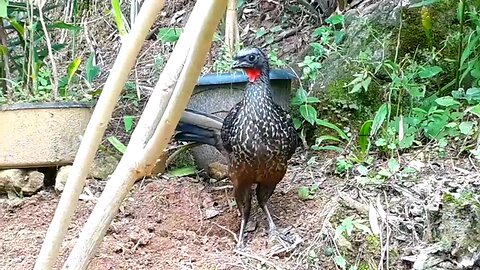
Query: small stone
{"points": [[211, 213], [20, 181], [61, 178], [251, 226], [218, 170], [103, 166], [342, 242], [34, 183], [10, 179]]}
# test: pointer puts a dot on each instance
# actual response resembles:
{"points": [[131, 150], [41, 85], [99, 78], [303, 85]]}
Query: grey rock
{"points": [[20, 181], [34, 183], [61, 178], [103, 166]]}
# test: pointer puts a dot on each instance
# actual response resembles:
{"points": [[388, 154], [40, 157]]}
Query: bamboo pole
{"points": [[156, 126], [232, 35], [94, 133]]}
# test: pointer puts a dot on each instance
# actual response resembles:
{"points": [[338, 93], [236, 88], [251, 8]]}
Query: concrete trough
{"points": [[41, 134]]}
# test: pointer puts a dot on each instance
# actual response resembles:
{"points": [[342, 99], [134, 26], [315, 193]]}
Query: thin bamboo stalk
{"points": [[156, 126], [94, 133]]}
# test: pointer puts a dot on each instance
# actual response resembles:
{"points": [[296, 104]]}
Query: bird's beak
{"points": [[237, 64]]}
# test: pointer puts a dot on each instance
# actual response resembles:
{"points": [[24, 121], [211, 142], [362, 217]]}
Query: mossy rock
{"points": [[339, 68], [443, 21], [378, 31]]}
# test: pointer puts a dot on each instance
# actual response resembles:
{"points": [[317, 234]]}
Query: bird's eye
{"points": [[251, 58]]}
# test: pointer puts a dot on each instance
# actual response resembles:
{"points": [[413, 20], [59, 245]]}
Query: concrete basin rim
{"points": [[240, 77], [46, 105]]}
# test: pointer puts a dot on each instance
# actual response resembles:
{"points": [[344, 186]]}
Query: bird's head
{"points": [[254, 61]]}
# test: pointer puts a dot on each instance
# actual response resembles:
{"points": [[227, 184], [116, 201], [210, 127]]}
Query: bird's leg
{"points": [[243, 199], [264, 192]]}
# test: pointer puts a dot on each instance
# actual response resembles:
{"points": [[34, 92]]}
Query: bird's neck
{"points": [[258, 86]]}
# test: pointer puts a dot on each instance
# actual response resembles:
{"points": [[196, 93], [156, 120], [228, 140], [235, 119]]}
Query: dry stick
{"points": [[50, 53], [258, 258], [143, 149], [232, 34], [93, 135], [5, 59]]}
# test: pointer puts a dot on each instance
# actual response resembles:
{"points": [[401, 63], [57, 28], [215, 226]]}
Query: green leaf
{"points": [[381, 142], [117, 144], [260, 32], [406, 142], [320, 31], [363, 138], [3, 8], [340, 261], [474, 110], [366, 83], [469, 49], [297, 123], [183, 171], [335, 19], [63, 25], [327, 124], [417, 91], [304, 193], [117, 15], [328, 148], [446, 101], [300, 97], [169, 34], [91, 70], [339, 37], [309, 113], [312, 100], [240, 3], [128, 122], [18, 27], [424, 3], [393, 165], [362, 170], [466, 128], [73, 67], [323, 138], [473, 94], [429, 72], [379, 118]]}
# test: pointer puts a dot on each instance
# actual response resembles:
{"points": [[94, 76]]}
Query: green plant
{"points": [[417, 108], [345, 231], [323, 37], [307, 193], [117, 144], [309, 115], [25, 75], [169, 34]]}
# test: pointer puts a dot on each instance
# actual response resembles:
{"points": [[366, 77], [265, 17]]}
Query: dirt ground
{"points": [[191, 222], [181, 223]]}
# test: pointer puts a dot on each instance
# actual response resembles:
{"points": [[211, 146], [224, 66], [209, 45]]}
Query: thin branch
{"points": [[54, 77]]}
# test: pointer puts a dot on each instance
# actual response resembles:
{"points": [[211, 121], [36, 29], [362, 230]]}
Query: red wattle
{"points": [[253, 74]]}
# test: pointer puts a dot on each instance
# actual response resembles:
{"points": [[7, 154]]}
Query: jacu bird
{"points": [[257, 137]]}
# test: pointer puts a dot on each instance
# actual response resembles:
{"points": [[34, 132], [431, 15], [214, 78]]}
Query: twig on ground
{"points": [[283, 35], [227, 230], [222, 187], [350, 202], [258, 258]]}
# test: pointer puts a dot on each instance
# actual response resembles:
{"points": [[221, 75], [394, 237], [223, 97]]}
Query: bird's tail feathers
{"points": [[199, 127]]}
